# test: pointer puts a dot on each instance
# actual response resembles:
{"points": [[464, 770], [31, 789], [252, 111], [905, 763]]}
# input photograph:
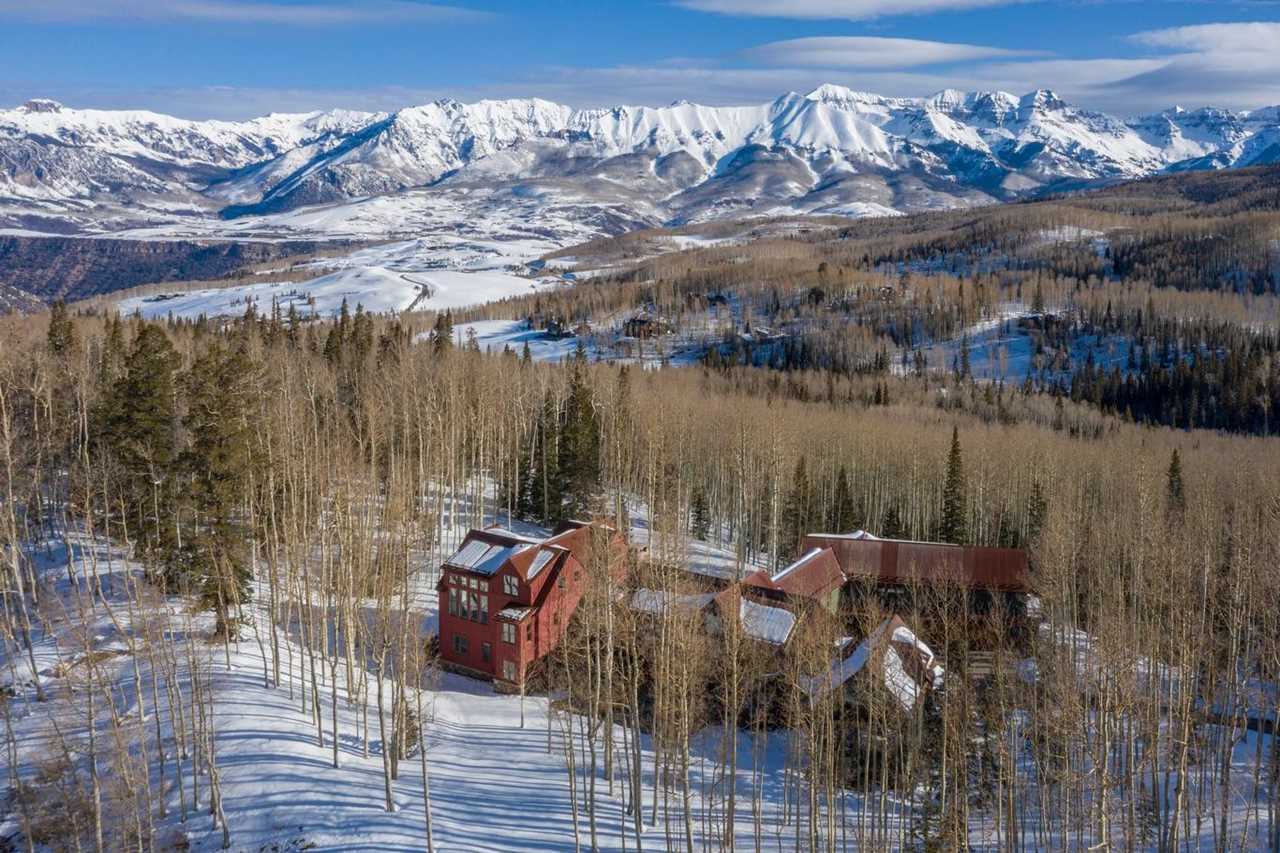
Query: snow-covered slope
{"points": [[832, 149]]}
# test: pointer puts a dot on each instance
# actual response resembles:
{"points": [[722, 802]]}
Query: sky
{"points": [[235, 59]]}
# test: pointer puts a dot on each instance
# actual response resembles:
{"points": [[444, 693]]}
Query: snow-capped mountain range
{"points": [[833, 150]]}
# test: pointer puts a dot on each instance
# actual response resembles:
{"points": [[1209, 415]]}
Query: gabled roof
{"points": [[661, 602], [892, 656], [487, 551], [895, 561], [772, 625], [483, 555], [813, 575]]}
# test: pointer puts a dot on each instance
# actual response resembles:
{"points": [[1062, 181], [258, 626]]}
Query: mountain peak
{"points": [[41, 105], [1043, 99], [830, 93]]}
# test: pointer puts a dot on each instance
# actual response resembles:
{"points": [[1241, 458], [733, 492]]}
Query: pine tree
{"points": [[442, 333], [541, 495], [136, 424], [219, 390], [699, 515], [1037, 509], [61, 337], [1175, 493], [955, 512], [795, 512], [893, 527], [579, 444], [844, 512]]}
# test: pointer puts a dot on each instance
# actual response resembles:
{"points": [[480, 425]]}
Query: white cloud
{"points": [[871, 52], [853, 10], [1258, 36], [234, 11]]}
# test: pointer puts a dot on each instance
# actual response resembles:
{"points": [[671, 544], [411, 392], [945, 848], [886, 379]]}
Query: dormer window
{"points": [[511, 585]]}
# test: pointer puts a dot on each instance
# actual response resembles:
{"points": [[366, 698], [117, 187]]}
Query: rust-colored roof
{"points": [[893, 561], [812, 576]]}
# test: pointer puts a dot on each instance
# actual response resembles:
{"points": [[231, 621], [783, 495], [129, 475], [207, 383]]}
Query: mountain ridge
{"points": [[826, 150]]}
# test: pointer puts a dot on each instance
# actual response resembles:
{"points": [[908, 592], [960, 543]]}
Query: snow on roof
{"points": [[761, 622], [469, 554], [483, 558], [857, 534], [539, 563], [846, 667], [511, 534], [515, 614], [906, 683], [660, 601], [813, 552]]}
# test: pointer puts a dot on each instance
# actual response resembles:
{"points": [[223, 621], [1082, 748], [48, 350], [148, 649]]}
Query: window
{"points": [[560, 581], [511, 585], [508, 632], [460, 644], [528, 632], [509, 670], [486, 652], [453, 602], [482, 609]]}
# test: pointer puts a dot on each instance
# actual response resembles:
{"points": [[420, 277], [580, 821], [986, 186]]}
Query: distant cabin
{"points": [[645, 325]]}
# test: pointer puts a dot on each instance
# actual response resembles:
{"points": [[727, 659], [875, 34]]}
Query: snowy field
{"points": [[379, 289]]}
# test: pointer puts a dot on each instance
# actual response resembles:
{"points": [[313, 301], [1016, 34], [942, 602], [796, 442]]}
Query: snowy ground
{"points": [[496, 785], [379, 289], [1003, 348]]}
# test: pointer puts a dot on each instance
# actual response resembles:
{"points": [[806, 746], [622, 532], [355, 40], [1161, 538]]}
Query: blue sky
{"points": [[237, 58]]}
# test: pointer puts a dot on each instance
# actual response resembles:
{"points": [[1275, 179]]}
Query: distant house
{"points": [[645, 325], [815, 578], [506, 599]]}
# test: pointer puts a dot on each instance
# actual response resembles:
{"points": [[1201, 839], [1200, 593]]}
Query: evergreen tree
{"points": [[61, 337], [955, 512], [541, 494], [219, 390], [699, 515], [893, 527], [442, 333], [1175, 494], [579, 444], [795, 512], [135, 424], [844, 512], [1037, 509]]}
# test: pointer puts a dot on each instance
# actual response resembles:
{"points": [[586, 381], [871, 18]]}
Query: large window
{"points": [[511, 585], [460, 644], [509, 670], [486, 652], [508, 632], [466, 604]]}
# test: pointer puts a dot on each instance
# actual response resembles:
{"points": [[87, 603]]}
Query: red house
{"points": [[506, 599], [815, 578]]}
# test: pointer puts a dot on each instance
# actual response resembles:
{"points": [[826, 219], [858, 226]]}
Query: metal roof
{"points": [[892, 561]]}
